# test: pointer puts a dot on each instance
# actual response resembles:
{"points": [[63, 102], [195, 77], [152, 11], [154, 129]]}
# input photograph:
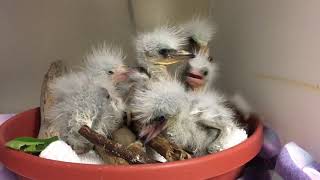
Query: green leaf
{"points": [[29, 144]]}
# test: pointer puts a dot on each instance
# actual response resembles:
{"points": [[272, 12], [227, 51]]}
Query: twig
{"points": [[114, 148], [166, 148]]}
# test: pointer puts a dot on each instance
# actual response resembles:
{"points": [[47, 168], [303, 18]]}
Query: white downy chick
{"points": [[105, 64], [82, 102], [160, 48], [211, 112], [158, 106], [198, 121], [61, 151], [202, 69]]}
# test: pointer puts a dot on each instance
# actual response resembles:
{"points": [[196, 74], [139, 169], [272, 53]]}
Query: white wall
{"points": [[280, 39], [35, 32], [152, 13]]}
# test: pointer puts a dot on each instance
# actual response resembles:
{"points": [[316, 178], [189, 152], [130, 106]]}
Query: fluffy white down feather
{"points": [[103, 58], [193, 118], [200, 29], [80, 101], [241, 104], [148, 45], [237, 136], [162, 37], [61, 151]]}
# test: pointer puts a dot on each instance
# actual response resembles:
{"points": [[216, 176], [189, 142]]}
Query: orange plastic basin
{"points": [[223, 165]]}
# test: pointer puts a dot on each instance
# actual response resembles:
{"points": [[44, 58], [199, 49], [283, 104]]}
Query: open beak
{"points": [[195, 79], [151, 131]]}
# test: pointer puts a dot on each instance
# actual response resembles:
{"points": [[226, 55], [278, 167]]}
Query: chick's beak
{"points": [[182, 55], [195, 79], [152, 130], [173, 56], [121, 74]]}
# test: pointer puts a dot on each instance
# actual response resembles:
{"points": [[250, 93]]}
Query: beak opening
{"points": [[152, 130], [195, 79]]}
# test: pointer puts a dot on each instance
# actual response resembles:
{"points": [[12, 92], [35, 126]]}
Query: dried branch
{"points": [[166, 148], [109, 158], [114, 148]]}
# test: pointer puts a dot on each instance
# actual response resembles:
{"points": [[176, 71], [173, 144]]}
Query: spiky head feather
{"points": [[200, 30], [164, 37], [161, 98], [103, 58]]}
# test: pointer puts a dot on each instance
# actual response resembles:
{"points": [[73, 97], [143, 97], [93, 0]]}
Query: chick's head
{"points": [[158, 106], [202, 70], [105, 63], [161, 47]]}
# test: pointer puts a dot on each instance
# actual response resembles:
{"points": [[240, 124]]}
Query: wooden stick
{"points": [[114, 148], [123, 136], [109, 158], [56, 69], [166, 148]]}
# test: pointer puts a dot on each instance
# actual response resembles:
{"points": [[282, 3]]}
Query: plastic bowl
{"points": [[223, 165]]}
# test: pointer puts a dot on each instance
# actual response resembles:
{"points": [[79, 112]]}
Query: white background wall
{"points": [[34, 33], [279, 39]]}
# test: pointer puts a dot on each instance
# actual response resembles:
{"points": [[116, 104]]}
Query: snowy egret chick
{"points": [[202, 69], [158, 106], [82, 102], [160, 48]]}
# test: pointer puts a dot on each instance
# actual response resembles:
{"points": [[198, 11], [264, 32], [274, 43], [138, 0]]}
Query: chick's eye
{"points": [[210, 59], [162, 118], [205, 73], [110, 72], [164, 52]]}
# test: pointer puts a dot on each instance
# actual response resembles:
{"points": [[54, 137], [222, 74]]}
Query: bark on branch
{"points": [[167, 149], [114, 148]]}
